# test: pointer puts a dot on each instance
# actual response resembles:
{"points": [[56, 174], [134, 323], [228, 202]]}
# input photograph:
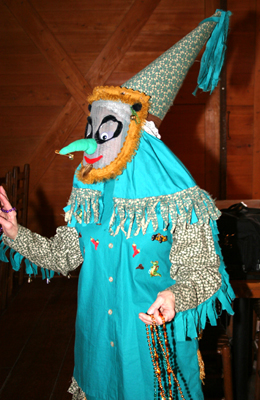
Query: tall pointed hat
{"points": [[162, 79], [151, 91]]}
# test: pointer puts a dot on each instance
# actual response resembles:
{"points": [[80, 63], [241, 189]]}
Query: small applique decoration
{"points": [[140, 266], [153, 271], [95, 242], [80, 235], [136, 251], [159, 237]]}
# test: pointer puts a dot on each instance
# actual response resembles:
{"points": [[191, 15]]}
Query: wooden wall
{"points": [[243, 64], [53, 52]]}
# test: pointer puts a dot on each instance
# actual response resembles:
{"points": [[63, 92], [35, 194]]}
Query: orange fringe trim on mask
{"points": [[132, 139]]}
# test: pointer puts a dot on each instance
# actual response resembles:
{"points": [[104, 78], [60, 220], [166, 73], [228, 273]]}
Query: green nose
{"points": [[89, 146]]}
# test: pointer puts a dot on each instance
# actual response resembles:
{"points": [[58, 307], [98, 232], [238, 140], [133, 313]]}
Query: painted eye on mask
{"points": [[109, 128]]}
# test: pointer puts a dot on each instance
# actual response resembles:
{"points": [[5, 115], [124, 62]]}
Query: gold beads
{"points": [[155, 358]]}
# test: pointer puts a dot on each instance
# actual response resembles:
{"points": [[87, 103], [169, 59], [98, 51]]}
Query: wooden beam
{"points": [[54, 53], [121, 40], [55, 138], [256, 147]]}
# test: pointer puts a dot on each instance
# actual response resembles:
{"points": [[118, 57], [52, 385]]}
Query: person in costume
{"points": [[144, 231]]}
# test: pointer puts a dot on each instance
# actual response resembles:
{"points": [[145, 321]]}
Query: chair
{"points": [[16, 183]]}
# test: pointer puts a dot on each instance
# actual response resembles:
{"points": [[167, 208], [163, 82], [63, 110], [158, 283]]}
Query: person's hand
{"points": [[7, 216], [164, 304]]}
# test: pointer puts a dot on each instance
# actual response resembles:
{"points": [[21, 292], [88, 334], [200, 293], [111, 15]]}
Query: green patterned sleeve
{"points": [[61, 253], [194, 266]]}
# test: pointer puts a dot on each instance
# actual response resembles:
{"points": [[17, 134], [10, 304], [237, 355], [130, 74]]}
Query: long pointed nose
{"points": [[89, 146]]}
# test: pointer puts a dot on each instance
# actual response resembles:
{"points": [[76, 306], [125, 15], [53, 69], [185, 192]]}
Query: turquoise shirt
{"points": [[117, 281]]}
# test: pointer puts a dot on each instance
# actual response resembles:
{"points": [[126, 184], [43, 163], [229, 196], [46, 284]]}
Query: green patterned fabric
{"points": [[163, 77], [61, 253], [84, 204], [194, 265]]}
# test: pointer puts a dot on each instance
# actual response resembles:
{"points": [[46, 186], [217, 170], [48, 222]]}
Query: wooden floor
{"points": [[37, 340]]}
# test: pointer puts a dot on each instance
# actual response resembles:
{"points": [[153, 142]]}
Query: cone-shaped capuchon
{"points": [[162, 79]]}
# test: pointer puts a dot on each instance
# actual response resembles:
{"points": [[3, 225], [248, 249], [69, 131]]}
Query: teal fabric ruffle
{"points": [[189, 323], [214, 54], [16, 260]]}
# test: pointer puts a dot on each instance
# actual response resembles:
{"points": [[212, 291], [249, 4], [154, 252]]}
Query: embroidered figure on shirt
{"points": [[159, 237], [153, 271], [136, 251], [95, 242]]}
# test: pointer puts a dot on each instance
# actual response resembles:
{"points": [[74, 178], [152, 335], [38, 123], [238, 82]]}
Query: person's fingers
{"points": [[155, 306], [6, 225], [4, 200], [2, 190], [157, 317], [145, 318], [168, 315]]}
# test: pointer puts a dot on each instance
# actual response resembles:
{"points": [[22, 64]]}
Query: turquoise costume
{"points": [[140, 224], [112, 359]]}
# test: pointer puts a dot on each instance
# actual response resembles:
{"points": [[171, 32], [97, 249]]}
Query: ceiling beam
{"points": [[79, 86], [43, 38]]}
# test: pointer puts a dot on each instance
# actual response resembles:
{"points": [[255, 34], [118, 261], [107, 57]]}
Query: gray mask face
{"points": [[108, 124]]}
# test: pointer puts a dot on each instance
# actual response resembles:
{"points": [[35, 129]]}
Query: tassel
{"points": [[28, 267], [43, 273], [214, 54], [16, 265], [3, 249]]}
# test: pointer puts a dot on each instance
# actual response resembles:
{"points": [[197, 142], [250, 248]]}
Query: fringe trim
{"points": [[85, 203], [16, 260], [3, 250], [132, 140], [171, 207], [190, 322]]}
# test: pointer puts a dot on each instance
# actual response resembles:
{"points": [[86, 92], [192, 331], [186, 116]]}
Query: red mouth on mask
{"points": [[92, 160]]}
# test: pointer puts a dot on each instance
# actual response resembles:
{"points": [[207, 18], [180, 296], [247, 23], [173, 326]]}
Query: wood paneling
{"points": [[40, 34], [242, 101], [256, 142], [54, 52]]}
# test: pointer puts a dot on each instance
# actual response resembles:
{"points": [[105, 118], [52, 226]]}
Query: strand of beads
{"points": [[155, 358], [166, 355]]}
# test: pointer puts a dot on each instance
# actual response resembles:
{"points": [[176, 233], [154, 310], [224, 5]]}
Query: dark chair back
{"points": [[16, 184]]}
